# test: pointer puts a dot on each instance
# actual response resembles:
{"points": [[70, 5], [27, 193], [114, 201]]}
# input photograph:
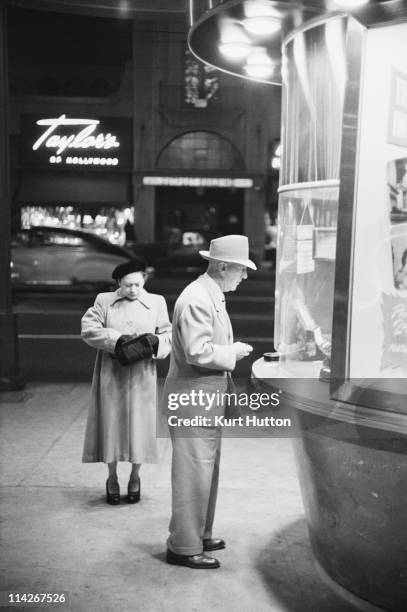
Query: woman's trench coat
{"points": [[121, 422]]}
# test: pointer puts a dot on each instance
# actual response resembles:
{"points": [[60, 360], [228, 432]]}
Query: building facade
{"points": [[193, 144]]}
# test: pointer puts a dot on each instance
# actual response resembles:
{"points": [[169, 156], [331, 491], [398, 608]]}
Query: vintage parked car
{"points": [[58, 257]]}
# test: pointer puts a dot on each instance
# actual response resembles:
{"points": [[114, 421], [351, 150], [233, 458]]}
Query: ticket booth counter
{"points": [[340, 333], [341, 306]]}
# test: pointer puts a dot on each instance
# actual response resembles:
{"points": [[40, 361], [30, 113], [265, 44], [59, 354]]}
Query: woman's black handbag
{"points": [[131, 349], [232, 408]]}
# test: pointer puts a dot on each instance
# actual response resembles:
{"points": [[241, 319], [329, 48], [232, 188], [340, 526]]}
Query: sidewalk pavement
{"points": [[59, 535]]}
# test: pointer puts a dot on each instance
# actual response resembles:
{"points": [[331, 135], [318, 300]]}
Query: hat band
{"points": [[229, 254]]}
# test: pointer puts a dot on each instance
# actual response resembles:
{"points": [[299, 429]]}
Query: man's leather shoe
{"points": [[213, 544], [200, 561]]}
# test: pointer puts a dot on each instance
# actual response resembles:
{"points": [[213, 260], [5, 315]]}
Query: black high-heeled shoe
{"points": [[112, 498], [133, 496]]}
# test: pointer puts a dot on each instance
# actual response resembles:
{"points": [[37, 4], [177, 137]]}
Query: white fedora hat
{"points": [[232, 249]]}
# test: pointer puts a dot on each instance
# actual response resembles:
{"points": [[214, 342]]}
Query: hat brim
{"points": [[242, 262]]}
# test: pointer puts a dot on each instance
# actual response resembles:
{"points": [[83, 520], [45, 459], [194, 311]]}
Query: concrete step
{"points": [[169, 286], [49, 331], [242, 304], [68, 358], [69, 322], [164, 286], [239, 305]]}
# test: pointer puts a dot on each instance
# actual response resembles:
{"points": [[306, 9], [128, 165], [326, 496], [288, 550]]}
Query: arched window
{"points": [[200, 151]]}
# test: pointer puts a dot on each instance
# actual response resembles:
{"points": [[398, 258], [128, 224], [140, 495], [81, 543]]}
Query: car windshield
{"points": [[43, 238]]}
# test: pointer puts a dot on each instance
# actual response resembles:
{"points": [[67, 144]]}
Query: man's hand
{"points": [[242, 350]]}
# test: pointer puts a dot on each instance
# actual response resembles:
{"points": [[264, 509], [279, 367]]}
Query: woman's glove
{"points": [[131, 349]]}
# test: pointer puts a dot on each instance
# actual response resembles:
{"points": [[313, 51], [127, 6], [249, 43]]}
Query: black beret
{"points": [[134, 265]]}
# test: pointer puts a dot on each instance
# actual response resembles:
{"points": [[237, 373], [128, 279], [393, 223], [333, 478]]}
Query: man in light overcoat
{"points": [[203, 356]]}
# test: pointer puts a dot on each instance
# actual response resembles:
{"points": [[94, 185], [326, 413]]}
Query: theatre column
{"points": [[144, 41], [10, 378]]}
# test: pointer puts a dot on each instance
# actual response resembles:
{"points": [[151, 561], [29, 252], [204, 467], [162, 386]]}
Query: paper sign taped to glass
{"points": [[305, 259], [297, 248]]}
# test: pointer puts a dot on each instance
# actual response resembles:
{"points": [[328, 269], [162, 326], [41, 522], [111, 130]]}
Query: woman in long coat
{"points": [[121, 422]]}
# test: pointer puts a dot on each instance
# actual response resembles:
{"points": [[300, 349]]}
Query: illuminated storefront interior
{"points": [[107, 222], [75, 173]]}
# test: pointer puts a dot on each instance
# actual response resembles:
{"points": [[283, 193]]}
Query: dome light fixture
{"points": [[258, 64], [261, 25], [234, 50], [234, 43], [260, 8], [350, 4]]}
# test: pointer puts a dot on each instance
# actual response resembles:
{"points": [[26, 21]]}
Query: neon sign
{"points": [[63, 134]]}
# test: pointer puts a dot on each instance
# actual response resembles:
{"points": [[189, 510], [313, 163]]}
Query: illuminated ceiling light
{"points": [[351, 3], [259, 65], [257, 8], [261, 25], [258, 71], [261, 19], [234, 43], [234, 50]]}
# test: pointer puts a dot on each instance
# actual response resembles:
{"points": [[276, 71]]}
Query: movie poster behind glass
{"points": [[397, 189], [378, 323]]}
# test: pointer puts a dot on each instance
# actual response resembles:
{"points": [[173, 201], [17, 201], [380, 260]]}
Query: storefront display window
{"points": [[110, 223], [372, 341]]}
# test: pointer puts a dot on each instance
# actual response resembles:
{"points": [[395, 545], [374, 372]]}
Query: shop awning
{"points": [[70, 188]]}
